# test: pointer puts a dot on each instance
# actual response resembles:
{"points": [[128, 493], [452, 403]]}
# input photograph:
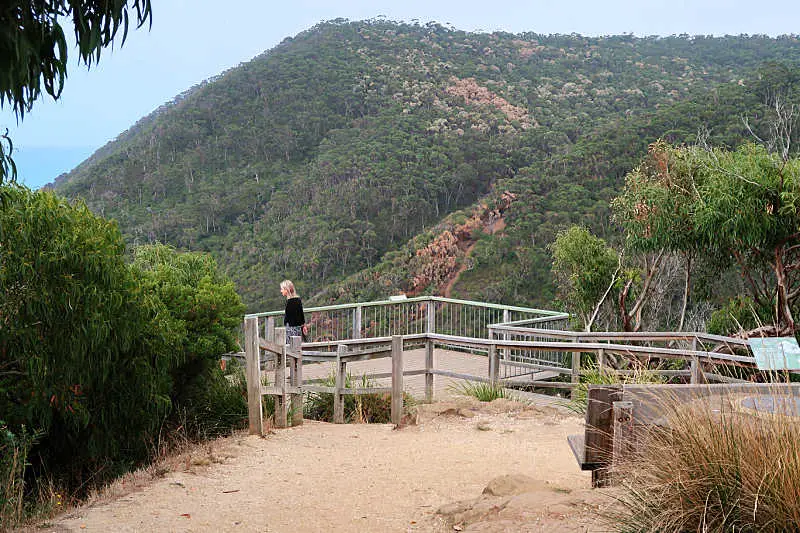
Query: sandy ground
{"points": [[353, 478]]}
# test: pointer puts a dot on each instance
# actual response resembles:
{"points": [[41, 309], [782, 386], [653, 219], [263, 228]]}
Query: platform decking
{"points": [[444, 387]]}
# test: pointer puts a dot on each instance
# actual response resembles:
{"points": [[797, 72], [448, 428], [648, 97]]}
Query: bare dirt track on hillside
{"points": [[353, 478]]}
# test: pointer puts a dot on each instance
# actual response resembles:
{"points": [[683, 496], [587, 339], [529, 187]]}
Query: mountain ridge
{"points": [[316, 159]]}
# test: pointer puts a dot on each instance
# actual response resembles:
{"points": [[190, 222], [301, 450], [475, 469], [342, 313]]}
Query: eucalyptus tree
{"points": [[33, 49], [736, 207]]}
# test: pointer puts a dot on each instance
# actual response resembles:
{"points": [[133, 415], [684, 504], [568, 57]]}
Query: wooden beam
{"points": [[430, 364], [397, 379], [296, 380], [281, 408], [253, 376], [340, 376]]}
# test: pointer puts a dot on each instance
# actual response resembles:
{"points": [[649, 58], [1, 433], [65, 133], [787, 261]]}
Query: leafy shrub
{"points": [[714, 469], [96, 354], [14, 451], [84, 351], [205, 314], [739, 314]]}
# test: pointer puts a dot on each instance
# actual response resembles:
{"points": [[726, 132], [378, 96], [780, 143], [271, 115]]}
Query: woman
{"points": [[293, 317]]}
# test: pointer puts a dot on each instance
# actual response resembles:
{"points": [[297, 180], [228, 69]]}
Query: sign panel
{"points": [[776, 353]]}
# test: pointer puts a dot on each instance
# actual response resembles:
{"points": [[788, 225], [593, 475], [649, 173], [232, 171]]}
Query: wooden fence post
{"points": [[269, 329], [397, 379], [430, 364], [296, 381], [251, 348], [280, 383], [494, 364], [357, 322], [576, 368], [601, 359], [340, 381], [696, 369]]}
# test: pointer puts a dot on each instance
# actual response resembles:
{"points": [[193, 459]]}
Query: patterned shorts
{"points": [[293, 331]]}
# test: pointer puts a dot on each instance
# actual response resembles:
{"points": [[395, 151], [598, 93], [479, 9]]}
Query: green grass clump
{"points": [[483, 391], [361, 408], [593, 375], [713, 468]]}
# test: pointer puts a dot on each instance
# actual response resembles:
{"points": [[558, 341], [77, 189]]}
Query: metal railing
{"points": [[410, 316]]}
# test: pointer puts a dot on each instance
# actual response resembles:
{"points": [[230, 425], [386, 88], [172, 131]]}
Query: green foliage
{"points": [[14, 450], [593, 375], [97, 356], [739, 315], [84, 352], [205, 312], [361, 408], [737, 207], [584, 267], [485, 392], [316, 179]]}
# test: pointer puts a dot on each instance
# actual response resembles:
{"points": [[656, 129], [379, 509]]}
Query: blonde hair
{"points": [[288, 286]]}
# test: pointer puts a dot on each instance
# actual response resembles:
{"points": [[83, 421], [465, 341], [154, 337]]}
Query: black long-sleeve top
{"points": [[293, 316]]}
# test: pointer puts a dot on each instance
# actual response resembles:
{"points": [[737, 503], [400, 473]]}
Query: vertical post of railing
{"points": [[430, 362], [576, 368], [269, 329], [506, 336], [696, 371], [251, 348], [281, 409], [341, 374], [397, 379], [296, 381], [494, 364], [601, 359], [357, 322]]}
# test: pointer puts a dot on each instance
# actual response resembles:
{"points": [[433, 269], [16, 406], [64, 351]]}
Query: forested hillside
{"points": [[361, 158]]}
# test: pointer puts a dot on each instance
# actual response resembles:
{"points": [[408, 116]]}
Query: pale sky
{"points": [[192, 40]]}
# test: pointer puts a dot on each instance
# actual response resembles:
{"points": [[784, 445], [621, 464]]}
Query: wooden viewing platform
{"points": [[433, 341]]}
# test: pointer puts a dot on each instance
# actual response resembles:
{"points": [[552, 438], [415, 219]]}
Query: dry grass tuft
{"points": [[715, 466]]}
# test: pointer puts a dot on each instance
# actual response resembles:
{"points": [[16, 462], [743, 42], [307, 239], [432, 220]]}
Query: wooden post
{"points": [[340, 380], [599, 426], [601, 359], [280, 382], [494, 364], [576, 368], [253, 375], [397, 379], [696, 369], [506, 319], [357, 322], [623, 432], [430, 317], [269, 329], [297, 381], [280, 335], [430, 364]]}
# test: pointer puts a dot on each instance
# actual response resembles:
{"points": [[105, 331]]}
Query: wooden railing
{"points": [[497, 346]]}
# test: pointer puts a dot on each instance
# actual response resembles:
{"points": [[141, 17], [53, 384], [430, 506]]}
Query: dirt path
{"points": [[353, 478]]}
